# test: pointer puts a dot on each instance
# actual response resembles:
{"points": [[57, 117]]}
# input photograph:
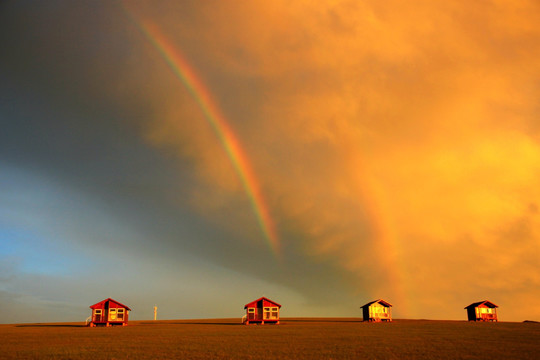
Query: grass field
{"points": [[324, 338]]}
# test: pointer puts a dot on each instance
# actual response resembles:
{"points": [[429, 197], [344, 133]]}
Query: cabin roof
{"points": [[99, 304], [380, 301], [254, 302], [485, 302]]}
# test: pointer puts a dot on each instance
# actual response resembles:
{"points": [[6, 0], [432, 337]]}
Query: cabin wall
{"points": [[365, 313], [482, 313], [377, 312], [471, 314], [486, 313], [260, 316]]}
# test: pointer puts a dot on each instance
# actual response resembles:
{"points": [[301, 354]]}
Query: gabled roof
{"points": [[254, 302], [485, 302], [99, 304], [380, 301]]}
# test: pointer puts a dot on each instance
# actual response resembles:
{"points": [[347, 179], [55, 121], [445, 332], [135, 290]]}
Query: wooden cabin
{"points": [[261, 311], [482, 311], [109, 312], [377, 310]]}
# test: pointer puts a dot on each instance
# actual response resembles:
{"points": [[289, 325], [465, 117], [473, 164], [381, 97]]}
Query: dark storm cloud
{"points": [[74, 104]]}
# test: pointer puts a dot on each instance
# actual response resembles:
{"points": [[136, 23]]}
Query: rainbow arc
{"points": [[177, 62]]}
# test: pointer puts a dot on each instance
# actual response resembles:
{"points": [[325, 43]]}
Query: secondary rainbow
{"points": [[183, 71]]}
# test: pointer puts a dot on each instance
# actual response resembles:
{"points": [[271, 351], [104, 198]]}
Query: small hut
{"points": [[261, 311], [482, 311], [109, 312], [377, 310]]}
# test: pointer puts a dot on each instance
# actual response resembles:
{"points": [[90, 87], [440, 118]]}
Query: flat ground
{"points": [[313, 338]]}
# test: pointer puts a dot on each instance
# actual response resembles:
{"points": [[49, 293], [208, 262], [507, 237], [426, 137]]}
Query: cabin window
{"points": [[121, 314], [251, 313], [270, 313], [112, 314], [97, 314]]}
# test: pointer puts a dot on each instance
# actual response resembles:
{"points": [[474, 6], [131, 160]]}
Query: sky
{"points": [[199, 155]]}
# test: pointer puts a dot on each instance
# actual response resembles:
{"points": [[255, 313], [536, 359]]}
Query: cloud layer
{"points": [[397, 148]]}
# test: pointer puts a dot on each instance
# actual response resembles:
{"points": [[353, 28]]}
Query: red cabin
{"points": [[377, 310], [261, 311], [109, 312], [482, 311]]}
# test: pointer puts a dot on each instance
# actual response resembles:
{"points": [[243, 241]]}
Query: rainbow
{"points": [[385, 232], [185, 73]]}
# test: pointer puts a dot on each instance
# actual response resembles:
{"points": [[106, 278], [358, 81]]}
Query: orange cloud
{"points": [[398, 140]]}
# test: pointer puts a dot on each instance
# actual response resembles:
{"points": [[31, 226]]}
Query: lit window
{"points": [[112, 314]]}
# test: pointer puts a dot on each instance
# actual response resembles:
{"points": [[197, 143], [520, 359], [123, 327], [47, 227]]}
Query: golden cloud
{"points": [[412, 126]]}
